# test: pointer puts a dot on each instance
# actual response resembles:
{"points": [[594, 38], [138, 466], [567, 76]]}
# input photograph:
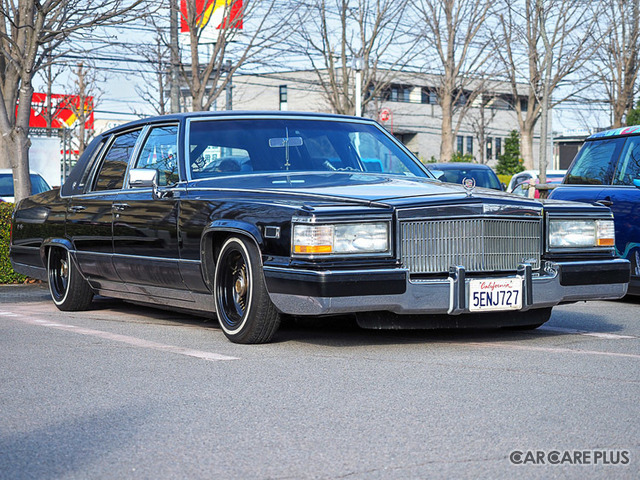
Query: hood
{"points": [[365, 187]]}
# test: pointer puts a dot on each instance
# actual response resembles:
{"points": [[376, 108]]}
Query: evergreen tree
{"points": [[633, 117], [510, 162]]}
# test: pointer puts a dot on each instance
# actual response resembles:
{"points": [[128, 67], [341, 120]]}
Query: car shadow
{"points": [[345, 332]]}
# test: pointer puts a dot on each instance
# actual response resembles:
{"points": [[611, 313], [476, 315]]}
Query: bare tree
{"points": [[543, 43], [29, 31], [82, 102], [618, 57], [479, 119], [453, 33], [337, 32], [210, 66], [157, 57], [49, 73]]}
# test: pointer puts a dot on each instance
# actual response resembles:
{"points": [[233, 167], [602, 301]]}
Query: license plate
{"points": [[495, 294]]}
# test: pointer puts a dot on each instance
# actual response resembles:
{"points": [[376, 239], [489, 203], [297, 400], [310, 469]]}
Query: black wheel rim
{"points": [[58, 273], [233, 287]]}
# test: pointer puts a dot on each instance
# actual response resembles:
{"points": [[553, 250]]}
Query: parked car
{"points": [[553, 176], [606, 170], [522, 189], [304, 227], [38, 184], [456, 172]]}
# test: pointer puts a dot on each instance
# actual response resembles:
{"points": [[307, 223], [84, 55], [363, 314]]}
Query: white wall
{"points": [[44, 158]]}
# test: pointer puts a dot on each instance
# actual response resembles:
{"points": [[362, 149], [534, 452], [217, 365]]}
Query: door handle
{"points": [[605, 202], [76, 208], [119, 207]]}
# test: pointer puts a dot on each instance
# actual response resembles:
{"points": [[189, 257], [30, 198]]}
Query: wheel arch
{"points": [[214, 235], [54, 242]]}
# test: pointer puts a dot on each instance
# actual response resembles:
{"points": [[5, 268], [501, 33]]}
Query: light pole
{"points": [[358, 64]]}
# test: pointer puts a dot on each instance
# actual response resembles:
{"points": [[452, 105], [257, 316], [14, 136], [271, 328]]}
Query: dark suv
{"points": [[607, 171]]}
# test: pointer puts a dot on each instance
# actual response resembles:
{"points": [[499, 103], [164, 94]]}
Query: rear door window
{"points": [[115, 162], [595, 162], [629, 165]]}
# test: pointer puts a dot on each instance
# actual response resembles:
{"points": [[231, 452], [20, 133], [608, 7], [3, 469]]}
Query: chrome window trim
{"points": [[136, 190]]}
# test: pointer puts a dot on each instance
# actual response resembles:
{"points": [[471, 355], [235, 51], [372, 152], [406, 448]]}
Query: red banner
{"points": [[64, 111]]}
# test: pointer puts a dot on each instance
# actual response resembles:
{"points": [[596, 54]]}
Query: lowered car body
{"points": [[255, 215]]}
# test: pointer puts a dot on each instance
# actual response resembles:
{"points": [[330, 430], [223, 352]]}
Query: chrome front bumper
{"points": [[557, 282]]}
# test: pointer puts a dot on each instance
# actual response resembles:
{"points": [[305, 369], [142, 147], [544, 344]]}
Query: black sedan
{"points": [[256, 215]]}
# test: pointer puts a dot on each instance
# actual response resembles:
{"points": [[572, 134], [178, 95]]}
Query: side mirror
{"points": [[504, 186], [144, 178], [636, 182]]}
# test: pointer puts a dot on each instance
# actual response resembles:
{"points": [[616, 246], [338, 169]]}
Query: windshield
{"points": [[484, 178], [241, 147], [38, 185]]}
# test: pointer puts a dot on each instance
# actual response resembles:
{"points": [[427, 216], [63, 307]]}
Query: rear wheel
{"points": [[69, 291], [245, 311]]}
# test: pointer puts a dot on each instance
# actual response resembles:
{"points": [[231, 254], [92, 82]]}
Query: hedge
{"points": [[7, 275]]}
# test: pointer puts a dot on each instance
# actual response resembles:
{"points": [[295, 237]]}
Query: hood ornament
{"points": [[469, 184]]}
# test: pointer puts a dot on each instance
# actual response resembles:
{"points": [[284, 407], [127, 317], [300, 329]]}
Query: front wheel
{"points": [[245, 311], [69, 291]]}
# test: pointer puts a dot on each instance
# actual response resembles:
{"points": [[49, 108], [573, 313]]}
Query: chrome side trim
{"points": [[138, 257]]}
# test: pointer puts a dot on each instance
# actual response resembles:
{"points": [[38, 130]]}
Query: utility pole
{"points": [[229, 86], [173, 41], [545, 101], [358, 65]]}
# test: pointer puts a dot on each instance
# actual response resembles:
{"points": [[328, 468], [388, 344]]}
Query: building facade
{"points": [[408, 107]]}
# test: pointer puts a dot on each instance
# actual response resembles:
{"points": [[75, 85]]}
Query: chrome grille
{"points": [[478, 244]]}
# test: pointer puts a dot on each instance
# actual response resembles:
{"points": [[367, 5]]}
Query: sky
{"points": [[120, 69]]}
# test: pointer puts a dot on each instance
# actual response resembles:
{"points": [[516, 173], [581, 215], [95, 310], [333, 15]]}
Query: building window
{"points": [[470, 145], [498, 147], [489, 147], [462, 98], [460, 144], [397, 93], [429, 96], [406, 94], [283, 97]]}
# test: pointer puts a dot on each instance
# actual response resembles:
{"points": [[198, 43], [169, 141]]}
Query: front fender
{"points": [[221, 229]]}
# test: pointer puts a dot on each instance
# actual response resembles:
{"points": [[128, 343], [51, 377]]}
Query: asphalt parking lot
{"points": [[126, 391]]}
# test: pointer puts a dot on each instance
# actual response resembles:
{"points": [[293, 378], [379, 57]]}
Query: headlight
{"points": [[581, 233], [341, 238]]}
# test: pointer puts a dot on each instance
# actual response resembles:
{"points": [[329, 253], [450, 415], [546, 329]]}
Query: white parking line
{"points": [[116, 337], [608, 336], [551, 349]]}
